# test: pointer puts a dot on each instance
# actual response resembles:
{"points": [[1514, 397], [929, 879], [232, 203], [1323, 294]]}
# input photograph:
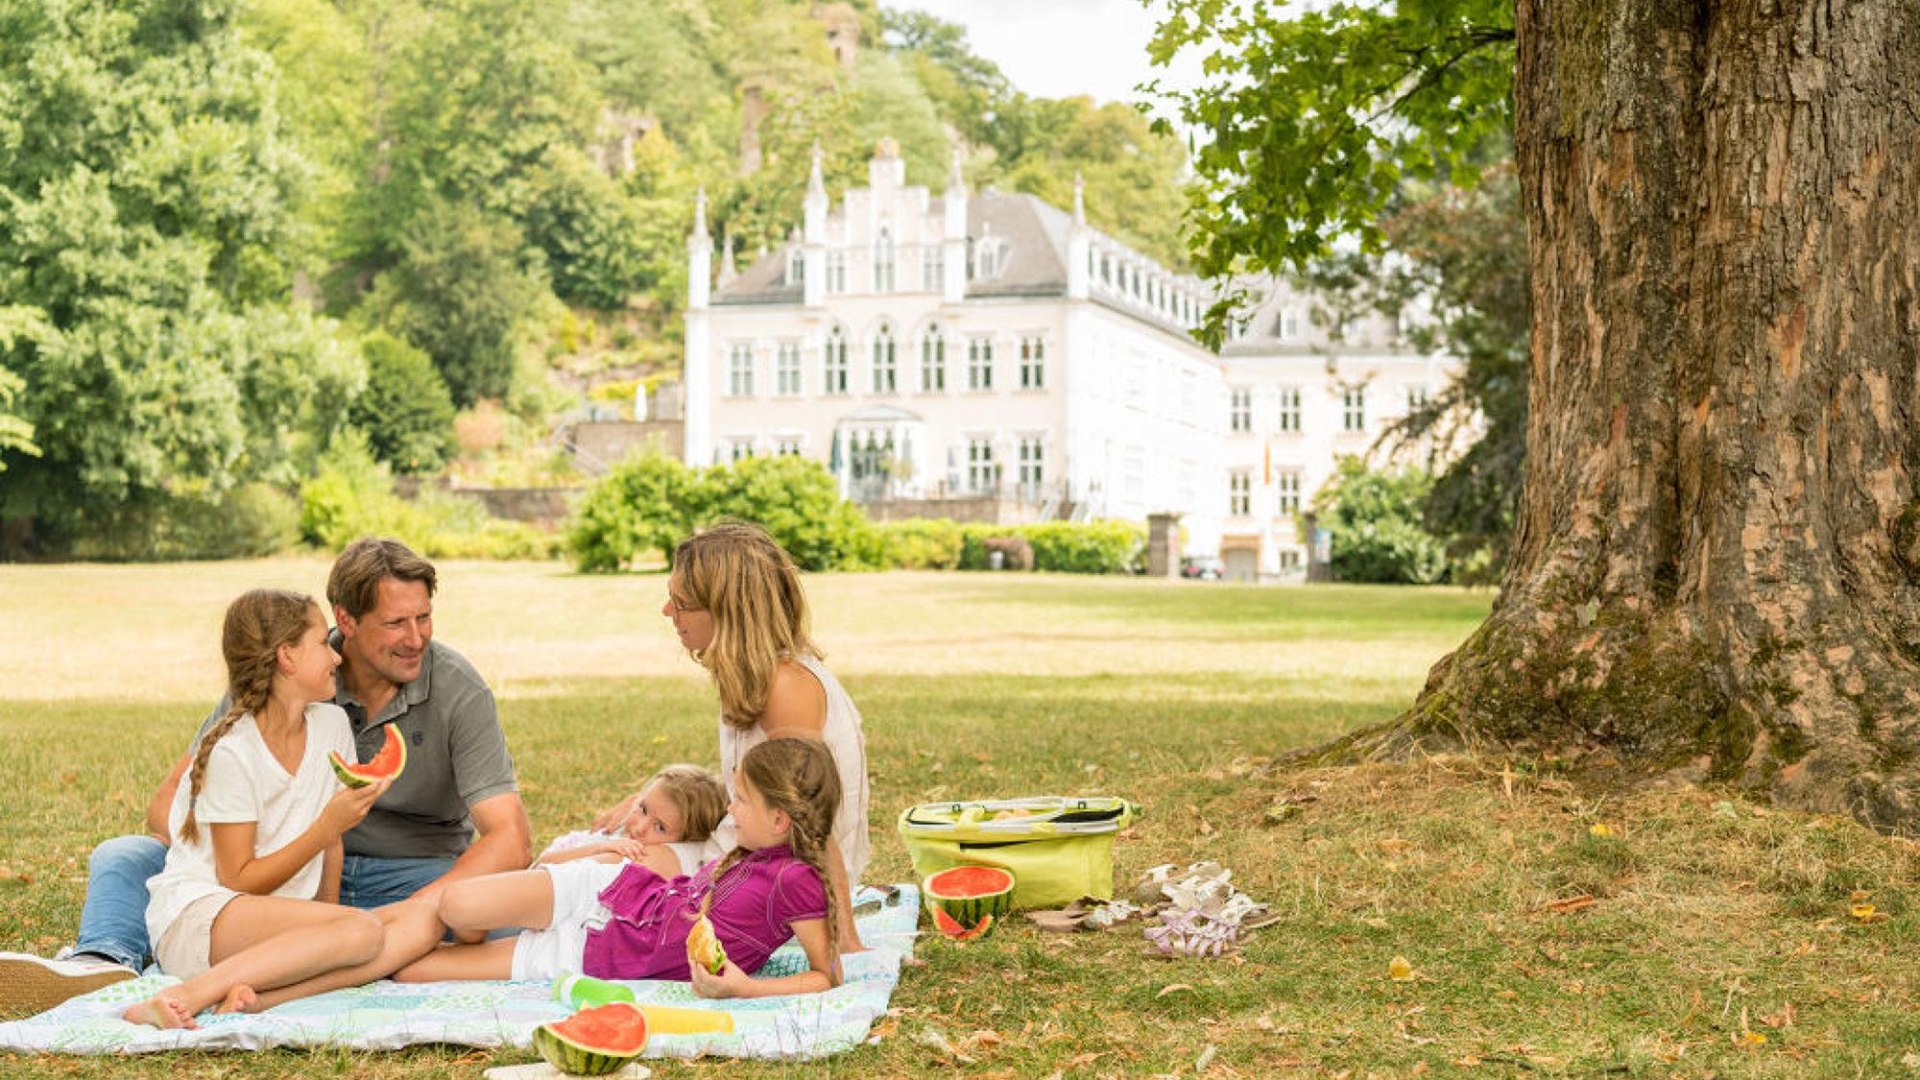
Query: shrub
{"points": [[353, 496], [652, 502], [1375, 518], [1094, 547], [251, 520], [406, 411], [919, 544], [646, 502]]}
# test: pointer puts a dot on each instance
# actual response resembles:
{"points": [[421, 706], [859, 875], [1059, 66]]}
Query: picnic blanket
{"points": [[387, 1015]]}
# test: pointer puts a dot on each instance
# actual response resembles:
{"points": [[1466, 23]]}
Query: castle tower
{"points": [[696, 376]]}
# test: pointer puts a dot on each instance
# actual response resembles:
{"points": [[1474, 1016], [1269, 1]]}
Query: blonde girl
{"points": [[625, 921], [257, 826], [675, 811], [737, 605]]}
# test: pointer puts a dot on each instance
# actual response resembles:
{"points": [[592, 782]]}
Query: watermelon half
{"points": [[391, 759], [593, 1042], [966, 901]]}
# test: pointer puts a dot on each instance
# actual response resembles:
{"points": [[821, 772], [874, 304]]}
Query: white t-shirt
{"points": [[245, 782], [848, 744]]}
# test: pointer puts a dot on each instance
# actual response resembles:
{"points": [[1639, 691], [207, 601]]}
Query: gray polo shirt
{"points": [[456, 757]]}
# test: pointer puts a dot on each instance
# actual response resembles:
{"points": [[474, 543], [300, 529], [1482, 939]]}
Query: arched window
{"points": [[833, 363], [886, 378], [883, 260], [933, 360]]}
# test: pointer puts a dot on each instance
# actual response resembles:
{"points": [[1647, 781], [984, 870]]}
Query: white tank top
{"points": [[848, 745]]}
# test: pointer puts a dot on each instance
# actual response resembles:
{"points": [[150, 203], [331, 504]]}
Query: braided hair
{"points": [[738, 573], [257, 624], [797, 777]]}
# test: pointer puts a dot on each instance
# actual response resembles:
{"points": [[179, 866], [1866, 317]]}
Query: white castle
{"points": [[990, 356]]}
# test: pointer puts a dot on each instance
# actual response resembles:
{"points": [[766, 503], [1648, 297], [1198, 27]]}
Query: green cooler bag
{"points": [[1058, 849]]}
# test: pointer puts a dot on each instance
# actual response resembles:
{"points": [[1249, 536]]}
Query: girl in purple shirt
{"points": [[620, 920]]}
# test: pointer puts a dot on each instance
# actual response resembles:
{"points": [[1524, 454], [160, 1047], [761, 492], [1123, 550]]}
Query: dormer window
{"points": [[796, 266], [989, 256]]}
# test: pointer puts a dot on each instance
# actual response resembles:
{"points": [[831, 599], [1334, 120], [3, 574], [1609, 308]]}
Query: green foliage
{"points": [[1315, 117], [797, 501], [462, 294], [1376, 525], [406, 412], [588, 232], [649, 503], [920, 544], [352, 496], [16, 433], [149, 202], [1133, 173], [252, 520], [1094, 547], [1461, 257], [641, 505]]}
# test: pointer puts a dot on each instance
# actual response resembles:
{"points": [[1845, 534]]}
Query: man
{"points": [[459, 780]]}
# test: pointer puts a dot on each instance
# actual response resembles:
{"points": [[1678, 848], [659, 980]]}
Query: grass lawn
{"points": [[1696, 935]]}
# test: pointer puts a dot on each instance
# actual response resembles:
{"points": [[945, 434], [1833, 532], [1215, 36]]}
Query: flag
{"points": [[1268, 481]]}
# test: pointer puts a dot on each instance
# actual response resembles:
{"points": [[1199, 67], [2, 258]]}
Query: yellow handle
{"points": [[667, 1020]]}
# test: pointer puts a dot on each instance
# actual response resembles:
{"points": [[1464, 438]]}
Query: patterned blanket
{"points": [[387, 1015]]}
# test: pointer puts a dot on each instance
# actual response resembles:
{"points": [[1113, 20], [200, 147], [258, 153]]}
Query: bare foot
{"points": [[160, 1011], [239, 999]]}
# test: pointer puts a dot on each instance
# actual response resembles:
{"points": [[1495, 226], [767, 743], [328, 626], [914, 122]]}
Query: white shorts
{"points": [[184, 951], [559, 949]]}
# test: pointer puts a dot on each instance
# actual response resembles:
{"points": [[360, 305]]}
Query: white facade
{"points": [[967, 345], [994, 345], [1302, 393]]}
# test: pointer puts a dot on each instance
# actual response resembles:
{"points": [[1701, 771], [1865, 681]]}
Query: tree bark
{"points": [[1718, 540]]}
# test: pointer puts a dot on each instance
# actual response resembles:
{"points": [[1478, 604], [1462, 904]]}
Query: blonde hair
{"points": [[257, 625], [751, 587], [698, 793], [797, 777]]}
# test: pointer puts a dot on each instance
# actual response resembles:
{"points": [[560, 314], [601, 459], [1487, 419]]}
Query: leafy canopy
{"points": [[1313, 119]]}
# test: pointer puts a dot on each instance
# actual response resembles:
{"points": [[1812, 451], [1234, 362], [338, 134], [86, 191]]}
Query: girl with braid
{"points": [[247, 900], [622, 920]]}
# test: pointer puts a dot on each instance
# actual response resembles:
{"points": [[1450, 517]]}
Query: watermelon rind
{"points": [[574, 1059], [354, 774], [968, 893], [962, 934]]}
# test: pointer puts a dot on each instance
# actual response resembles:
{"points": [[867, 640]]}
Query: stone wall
{"points": [[601, 444]]}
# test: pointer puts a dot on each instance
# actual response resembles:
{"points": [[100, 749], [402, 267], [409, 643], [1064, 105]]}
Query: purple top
{"points": [[753, 911]]}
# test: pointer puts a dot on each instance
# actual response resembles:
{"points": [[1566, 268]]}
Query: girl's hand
{"points": [[630, 850], [349, 806], [731, 982]]}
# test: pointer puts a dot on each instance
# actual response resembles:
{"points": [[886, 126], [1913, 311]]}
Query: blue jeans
{"points": [[370, 881], [113, 921]]}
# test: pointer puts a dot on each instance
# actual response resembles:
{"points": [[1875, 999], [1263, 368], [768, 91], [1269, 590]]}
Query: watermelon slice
{"points": [[970, 895], [956, 932], [593, 1042], [391, 759]]}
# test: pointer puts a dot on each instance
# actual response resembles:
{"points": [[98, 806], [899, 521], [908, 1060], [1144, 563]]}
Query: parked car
{"points": [[1202, 567]]}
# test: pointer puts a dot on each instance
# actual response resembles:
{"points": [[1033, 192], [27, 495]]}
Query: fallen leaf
{"points": [[1572, 903], [1394, 845], [1600, 829], [1399, 970], [1206, 1058], [1171, 988]]}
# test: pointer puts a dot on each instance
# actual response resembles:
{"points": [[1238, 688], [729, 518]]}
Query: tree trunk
{"points": [[1718, 541]]}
